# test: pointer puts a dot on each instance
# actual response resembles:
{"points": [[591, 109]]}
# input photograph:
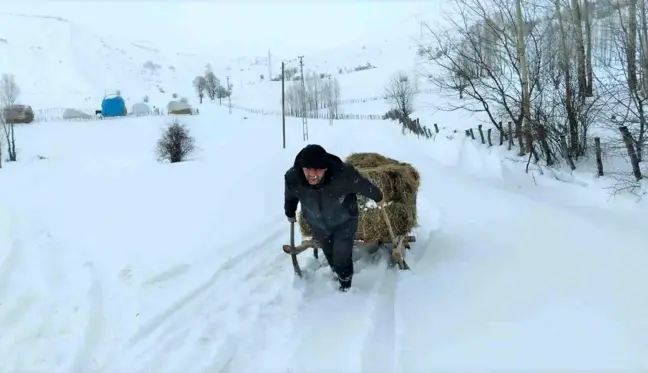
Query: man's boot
{"points": [[345, 283]]}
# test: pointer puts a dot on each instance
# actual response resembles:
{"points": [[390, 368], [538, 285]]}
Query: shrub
{"points": [[176, 143]]}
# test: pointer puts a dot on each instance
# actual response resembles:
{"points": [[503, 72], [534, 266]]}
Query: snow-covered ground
{"points": [[111, 261]]}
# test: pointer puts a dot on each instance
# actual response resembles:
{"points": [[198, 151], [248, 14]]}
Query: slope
{"points": [[36, 51], [59, 63], [114, 262]]}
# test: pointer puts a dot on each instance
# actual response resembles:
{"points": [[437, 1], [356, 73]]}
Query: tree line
{"points": [[316, 94], [561, 70], [208, 84]]}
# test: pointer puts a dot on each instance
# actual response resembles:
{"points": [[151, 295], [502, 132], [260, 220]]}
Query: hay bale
{"points": [[399, 183], [385, 170], [18, 114], [367, 160], [181, 112], [372, 226]]}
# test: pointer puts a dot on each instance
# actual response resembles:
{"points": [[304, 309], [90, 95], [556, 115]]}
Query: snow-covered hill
{"points": [[60, 64]]}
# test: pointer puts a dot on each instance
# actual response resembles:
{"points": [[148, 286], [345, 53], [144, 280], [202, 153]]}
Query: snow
{"points": [[111, 261]]}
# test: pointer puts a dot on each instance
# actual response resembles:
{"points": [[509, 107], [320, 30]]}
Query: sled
{"points": [[397, 246]]}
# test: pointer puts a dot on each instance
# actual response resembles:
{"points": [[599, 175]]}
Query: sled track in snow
{"points": [[249, 313], [351, 332], [216, 322], [37, 255]]}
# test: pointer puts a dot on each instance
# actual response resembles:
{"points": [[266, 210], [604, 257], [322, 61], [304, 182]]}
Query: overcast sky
{"points": [[237, 27]]}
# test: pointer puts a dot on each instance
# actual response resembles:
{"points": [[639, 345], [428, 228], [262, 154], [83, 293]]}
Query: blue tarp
{"points": [[113, 107]]}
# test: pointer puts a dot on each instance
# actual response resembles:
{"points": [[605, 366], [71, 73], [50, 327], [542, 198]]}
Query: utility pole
{"points": [[283, 105], [303, 100], [330, 101], [269, 66], [229, 95]]}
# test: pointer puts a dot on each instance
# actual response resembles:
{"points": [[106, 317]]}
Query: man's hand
{"points": [[292, 219]]}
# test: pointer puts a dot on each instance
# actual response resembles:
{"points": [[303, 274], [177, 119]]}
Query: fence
{"points": [[312, 115], [509, 135], [88, 115]]}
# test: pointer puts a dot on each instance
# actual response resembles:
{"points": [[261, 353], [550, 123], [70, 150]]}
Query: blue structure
{"points": [[113, 107]]}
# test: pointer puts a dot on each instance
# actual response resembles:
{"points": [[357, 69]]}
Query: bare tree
{"points": [[579, 45], [9, 92], [223, 92], [643, 37], [212, 82], [588, 57], [524, 77], [627, 103], [400, 92], [570, 98], [477, 55], [200, 85]]}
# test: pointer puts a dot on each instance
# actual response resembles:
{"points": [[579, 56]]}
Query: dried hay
{"points": [[373, 228], [394, 178], [181, 112], [371, 224], [399, 183], [304, 227]]}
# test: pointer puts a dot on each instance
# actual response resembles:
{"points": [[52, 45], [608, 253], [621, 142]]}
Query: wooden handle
{"points": [[389, 227]]}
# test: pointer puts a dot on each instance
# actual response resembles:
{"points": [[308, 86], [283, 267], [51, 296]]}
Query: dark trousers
{"points": [[337, 245]]}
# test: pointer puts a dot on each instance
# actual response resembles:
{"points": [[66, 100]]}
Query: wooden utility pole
{"points": [[229, 96], [269, 66], [283, 104], [303, 100], [330, 101]]}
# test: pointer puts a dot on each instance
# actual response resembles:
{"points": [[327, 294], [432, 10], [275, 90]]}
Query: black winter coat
{"points": [[333, 201]]}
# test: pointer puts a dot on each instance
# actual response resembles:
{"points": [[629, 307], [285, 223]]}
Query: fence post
{"points": [[632, 153], [502, 134], [490, 143], [481, 134], [599, 159]]}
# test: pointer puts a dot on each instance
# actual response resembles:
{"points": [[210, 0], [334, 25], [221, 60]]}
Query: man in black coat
{"points": [[327, 188]]}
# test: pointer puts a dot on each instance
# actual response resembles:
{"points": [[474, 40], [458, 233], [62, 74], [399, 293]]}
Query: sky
{"points": [[244, 27]]}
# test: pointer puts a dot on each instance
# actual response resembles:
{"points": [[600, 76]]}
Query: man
{"points": [[327, 188]]}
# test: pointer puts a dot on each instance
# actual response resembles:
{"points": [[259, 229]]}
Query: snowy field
{"points": [[113, 262]]}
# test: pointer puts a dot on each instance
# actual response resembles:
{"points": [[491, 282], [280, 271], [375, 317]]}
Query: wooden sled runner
{"points": [[398, 246]]}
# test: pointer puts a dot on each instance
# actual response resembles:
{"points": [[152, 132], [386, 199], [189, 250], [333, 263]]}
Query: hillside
{"points": [[64, 65], [58, 63]]}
